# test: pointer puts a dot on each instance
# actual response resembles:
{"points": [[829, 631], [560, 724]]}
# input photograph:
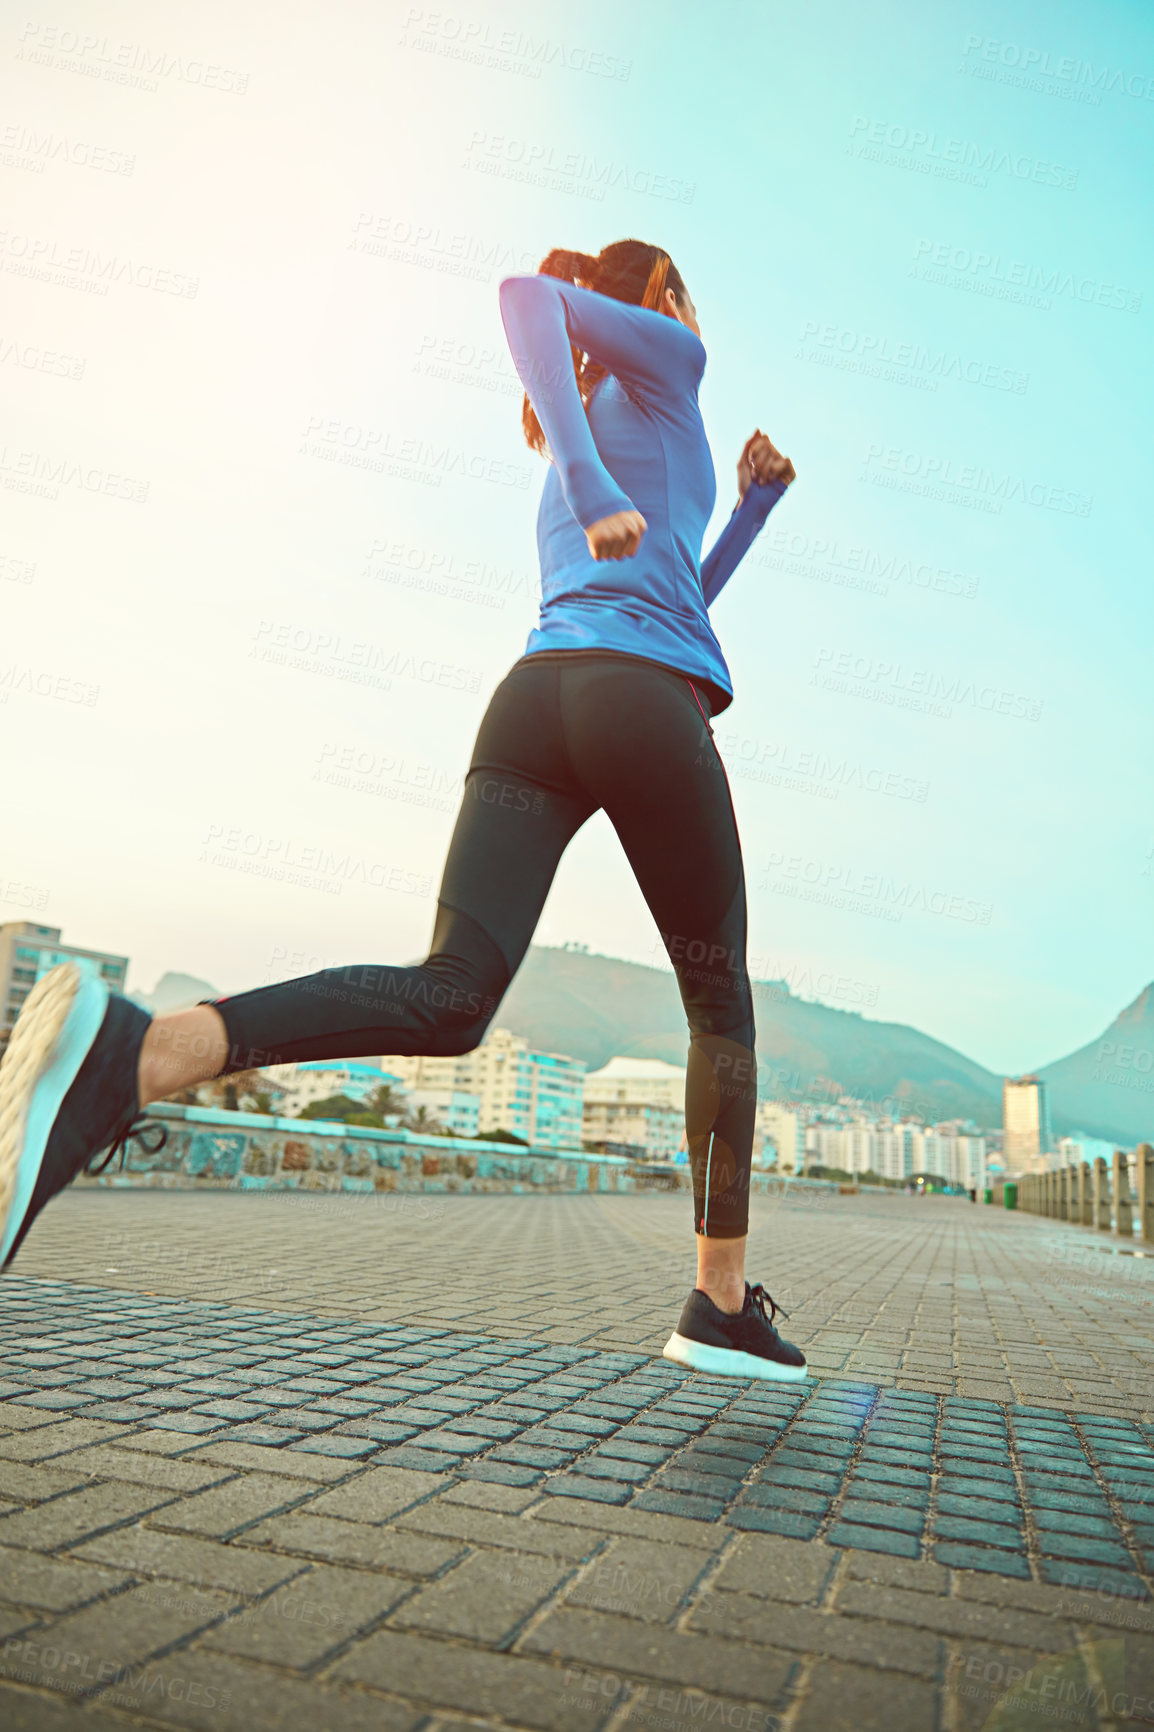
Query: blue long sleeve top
{"points": [[641, 445]]}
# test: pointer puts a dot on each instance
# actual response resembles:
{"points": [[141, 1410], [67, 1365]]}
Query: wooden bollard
{"points": [[1084, 1171], [1145, 1175], [1123, 1218], [1101, 1195]]}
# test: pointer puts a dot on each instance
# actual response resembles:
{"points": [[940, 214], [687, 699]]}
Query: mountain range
{"points": [[593, 1007]]}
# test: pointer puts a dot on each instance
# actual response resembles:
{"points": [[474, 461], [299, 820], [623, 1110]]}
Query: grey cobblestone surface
{"points": [[327, 1507]]}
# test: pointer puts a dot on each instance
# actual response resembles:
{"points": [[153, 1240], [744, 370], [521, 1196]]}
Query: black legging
{"points": [[565, 734]]}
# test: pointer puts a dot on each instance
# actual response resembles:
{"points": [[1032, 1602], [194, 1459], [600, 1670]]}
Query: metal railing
{"points": [[1096, 1195]]}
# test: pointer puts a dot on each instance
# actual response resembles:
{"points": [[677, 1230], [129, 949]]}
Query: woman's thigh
{"points": [[520, 807], [642, 749]]}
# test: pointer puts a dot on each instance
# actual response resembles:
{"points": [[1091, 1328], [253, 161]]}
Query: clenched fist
{"points": [[616, 537], [761, 461]]}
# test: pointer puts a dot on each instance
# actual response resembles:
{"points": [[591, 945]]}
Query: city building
{"points": [[28, 951], [1068, 1151], [1025, 1125], [456, 1109], [317, 1080], [635, 1106], [779, 1136], [898, 1149], [534, 1095]]}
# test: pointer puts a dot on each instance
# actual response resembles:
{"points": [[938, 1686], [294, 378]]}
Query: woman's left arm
{"points": [[763, 475]]}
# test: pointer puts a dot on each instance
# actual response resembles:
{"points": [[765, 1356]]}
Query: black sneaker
{"points": [[67, 1092], [735, 1344]]}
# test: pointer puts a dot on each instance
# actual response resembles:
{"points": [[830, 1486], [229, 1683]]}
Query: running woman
{"points": [[610, 708]]}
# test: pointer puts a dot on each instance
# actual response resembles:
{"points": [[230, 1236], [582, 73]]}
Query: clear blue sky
{"points": [[915, 241]]}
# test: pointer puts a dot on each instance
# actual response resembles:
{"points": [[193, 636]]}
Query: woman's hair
{"points": [[630, 271]]}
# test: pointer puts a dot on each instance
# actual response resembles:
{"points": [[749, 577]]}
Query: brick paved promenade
{"points": [[413, 1462]]}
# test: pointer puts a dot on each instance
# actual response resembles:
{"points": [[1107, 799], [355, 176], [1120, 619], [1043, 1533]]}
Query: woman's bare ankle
{"points": [[179, 1051], [727, 1295], [721, 1271]]}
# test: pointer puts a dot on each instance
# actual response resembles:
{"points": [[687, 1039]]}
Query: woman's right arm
{"points": [[646, 350]]}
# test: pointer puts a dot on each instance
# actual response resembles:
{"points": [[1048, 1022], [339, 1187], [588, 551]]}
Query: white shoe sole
{"points": [[727, 1362], [52, 1036]]}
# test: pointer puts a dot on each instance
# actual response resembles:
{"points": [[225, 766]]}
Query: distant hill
{"points": [[1107, 1087], [594, 1006]]}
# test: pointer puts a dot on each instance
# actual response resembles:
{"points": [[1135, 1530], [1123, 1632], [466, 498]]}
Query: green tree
{"points": [[332, 1107], [423, 1122], [385, 1100]]}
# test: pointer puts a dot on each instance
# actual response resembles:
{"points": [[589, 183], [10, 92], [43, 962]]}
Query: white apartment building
{"points": [[318, 1079], [779, 1136], [949, 1151], [535, 1095], [456, 1109], [636, 1104], [28, 951], [1068, 1151], [646, 1131]]}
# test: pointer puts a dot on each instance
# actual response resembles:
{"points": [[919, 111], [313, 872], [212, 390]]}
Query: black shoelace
{"points": [[138, 1129], [759, 1298]]}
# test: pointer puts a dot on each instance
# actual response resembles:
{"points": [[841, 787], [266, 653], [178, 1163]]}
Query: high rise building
{"points": [[535, 1095], [635, 1106], [1025, 1125], [28, 951]]}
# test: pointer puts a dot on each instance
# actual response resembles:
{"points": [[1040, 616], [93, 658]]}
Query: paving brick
{"points": [[346, 1542], [296, 1625], [889, 1541], [26, 1710], [201, 1562], [238, 1453], [493, 1528], [630, 1520], [157, 1442], [233, 1504], [522, 1691], [377, 1494], [586, 1486], [27, 1482], [866, 1512], [784, 1497], [78, 1514], [639, 1579], [773, 1521], [651, 1651], [482, 1494], [52, 1584], [1067, 1546], [976, 1557], [706, 1509], [776, 1568], [498, 1473], [42, 1442], [166, 1473], [915, 1574], [486, 1598], [1005, 1535], [848, 1698], [218, 1693], [89, 1647], [948, 1616]]}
